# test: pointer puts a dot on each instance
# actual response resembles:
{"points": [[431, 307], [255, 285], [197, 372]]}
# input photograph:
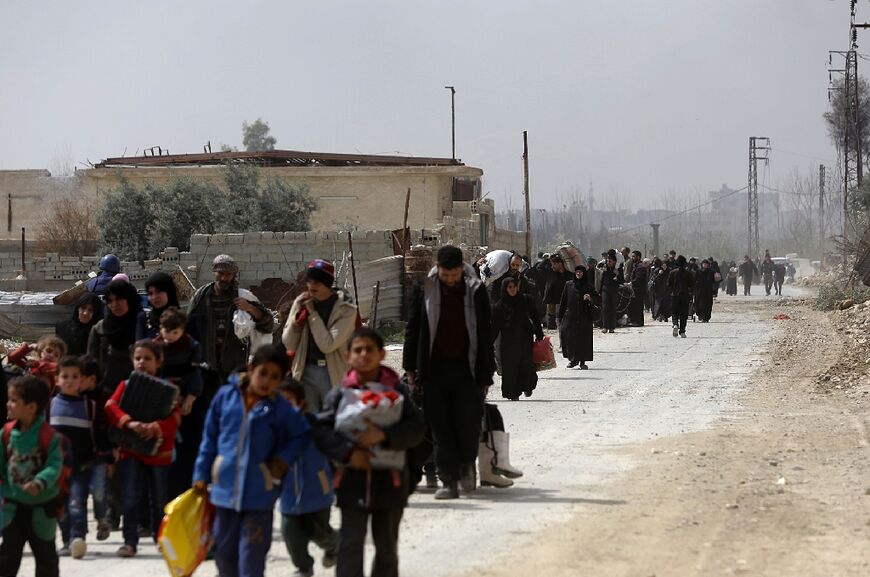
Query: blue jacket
{"points": [[308, 485], [100, 283], [237, 445]]}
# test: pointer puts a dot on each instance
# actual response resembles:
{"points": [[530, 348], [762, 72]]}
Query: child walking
{"points": [[74, 416], [90, 389], [364, 487], [135, 468], [31, 459], [306, 498], [252, 435]]}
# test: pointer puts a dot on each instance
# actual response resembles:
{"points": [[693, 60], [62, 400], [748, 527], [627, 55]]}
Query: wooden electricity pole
{"points": [[526, 195]]}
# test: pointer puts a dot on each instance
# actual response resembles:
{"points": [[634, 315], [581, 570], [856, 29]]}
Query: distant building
{"points": [[352, 190]]}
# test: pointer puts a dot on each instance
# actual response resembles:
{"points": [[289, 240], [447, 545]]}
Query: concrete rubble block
{"points": [[198, 239], [153, 263], [253, 237], [218, 239], [51, 256], [260, 257], [236, 238]]}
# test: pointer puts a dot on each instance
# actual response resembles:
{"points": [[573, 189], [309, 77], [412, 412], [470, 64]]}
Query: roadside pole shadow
{"points": [[462, 503], [519, 495], [552, 401]]}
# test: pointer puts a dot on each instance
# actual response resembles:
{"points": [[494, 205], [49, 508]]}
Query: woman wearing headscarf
{"points": [[75, 331], [661, 310], [515, 318], [731, 285], [112, 337], [577, 318], [705, 281], [161, 295]]}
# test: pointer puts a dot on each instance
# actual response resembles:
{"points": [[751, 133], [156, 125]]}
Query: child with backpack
{"points": [[50, 348], [32, 476], [252, 435], [74, 416], [373, 480], [136, 468], [306, 498]]}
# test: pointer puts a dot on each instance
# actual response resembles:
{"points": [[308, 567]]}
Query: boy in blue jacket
{"points": [[306, 499], [251, 437]]}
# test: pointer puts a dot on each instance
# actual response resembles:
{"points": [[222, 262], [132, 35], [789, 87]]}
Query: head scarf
{"points": [[164, 283], [121, 331], [96, 304]]}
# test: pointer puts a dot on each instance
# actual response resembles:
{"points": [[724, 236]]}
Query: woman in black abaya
{"points": [[516, 319], [578, 314]]}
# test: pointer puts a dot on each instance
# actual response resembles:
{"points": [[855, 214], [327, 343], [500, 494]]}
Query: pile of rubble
{"points": [[852, 373]]}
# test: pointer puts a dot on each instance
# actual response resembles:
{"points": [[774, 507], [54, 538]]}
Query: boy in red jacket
{"points": [[136, 468], [50, 349]]}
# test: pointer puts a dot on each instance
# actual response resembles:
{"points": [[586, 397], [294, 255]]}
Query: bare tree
{"points": [[69, 228]]}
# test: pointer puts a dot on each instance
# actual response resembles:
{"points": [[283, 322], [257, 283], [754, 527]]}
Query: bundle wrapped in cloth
{"points": [[375, 403]]}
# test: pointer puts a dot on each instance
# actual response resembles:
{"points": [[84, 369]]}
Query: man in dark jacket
{"points": [[748, 271], [211, 314], [682, 285], [450, 354], [555, 285], [638, 281], [767, 270]]}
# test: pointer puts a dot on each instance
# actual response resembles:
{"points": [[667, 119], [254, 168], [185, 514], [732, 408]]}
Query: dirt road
{"points": [[710, 455]]}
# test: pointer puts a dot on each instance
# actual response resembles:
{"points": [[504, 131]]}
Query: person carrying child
{"points": [[373, 480], [74, 416], [306, 498], [252, 435], [181, 358], [31, 461], [138, 468], [50, 348]]}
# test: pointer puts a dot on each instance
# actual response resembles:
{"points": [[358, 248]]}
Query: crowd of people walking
{"points": [[259, 414]]}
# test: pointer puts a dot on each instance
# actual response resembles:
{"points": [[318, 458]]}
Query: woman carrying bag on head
{"points": [[516, 319], [578, 313]]}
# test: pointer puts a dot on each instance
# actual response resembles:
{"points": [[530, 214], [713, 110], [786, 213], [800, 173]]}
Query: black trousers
{"points": [[768, 282], [20, 531], [299, 530], [453, 405], [747, 288], [385, 534], [680, 305], [635, 308], [609, 297]]}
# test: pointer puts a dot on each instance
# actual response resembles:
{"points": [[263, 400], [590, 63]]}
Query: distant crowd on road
{"points": [[136, 400]]}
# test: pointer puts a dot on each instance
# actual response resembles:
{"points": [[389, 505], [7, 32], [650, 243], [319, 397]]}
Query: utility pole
{"points": [[821, 214], [452, 120], [655, 228], [526, 194], [759, 149]]}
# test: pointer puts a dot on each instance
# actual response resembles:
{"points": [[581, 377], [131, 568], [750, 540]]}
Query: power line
{"points": [[682, 212]]}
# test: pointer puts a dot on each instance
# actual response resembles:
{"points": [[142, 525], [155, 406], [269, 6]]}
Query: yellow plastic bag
{"points": [[185, 534]]}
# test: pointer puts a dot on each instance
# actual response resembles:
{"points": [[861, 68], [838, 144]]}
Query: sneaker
{"points": [[63, 551], [448, 491], [676, 331], [126, 551], [104, 529], [682, 335], [330, 558], [78, 548], [584, 366]]}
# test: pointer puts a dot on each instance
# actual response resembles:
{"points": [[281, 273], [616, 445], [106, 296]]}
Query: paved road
{"points": [[643, 384]]}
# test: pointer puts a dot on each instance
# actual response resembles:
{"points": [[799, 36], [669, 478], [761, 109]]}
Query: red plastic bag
{"points": [[542, 355]]}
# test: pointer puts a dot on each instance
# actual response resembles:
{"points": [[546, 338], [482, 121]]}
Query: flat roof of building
{"points": [[275, 158]]}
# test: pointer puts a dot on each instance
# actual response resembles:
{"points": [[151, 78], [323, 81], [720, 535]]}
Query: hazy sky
{"points": [[642, 97]]}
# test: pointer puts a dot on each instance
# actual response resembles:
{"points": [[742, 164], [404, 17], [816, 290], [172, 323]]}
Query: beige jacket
{"points": [[333, 337]]}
